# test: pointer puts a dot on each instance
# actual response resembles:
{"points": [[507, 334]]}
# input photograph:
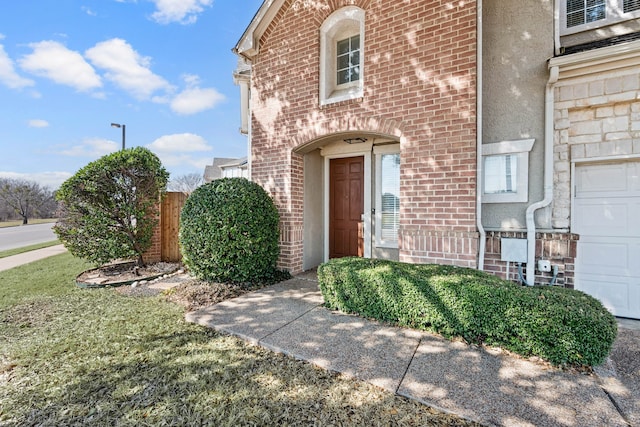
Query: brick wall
{"points": [[419, 87], [154, 254], [559, 248]]}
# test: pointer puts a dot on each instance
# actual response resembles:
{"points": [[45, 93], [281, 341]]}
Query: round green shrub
{"points": [[229, 232], [563, 326], [110, 206]]}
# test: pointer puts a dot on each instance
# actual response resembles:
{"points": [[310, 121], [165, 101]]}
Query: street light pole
{"points": [[124, 127]]}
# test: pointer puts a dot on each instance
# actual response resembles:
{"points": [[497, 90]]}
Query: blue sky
{"points": [[69, 68]]}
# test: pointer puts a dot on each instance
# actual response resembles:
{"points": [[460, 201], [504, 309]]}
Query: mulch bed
{"points": [[124, 273]]}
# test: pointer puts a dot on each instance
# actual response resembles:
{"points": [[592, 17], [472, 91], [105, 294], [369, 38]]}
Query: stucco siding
{"points": [[517, 42]]}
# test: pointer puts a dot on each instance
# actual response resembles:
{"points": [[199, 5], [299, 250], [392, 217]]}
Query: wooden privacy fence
{"points": [[170, 223], [165, 245]]}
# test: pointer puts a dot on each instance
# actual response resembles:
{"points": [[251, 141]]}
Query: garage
{"points": [[606, 215]]}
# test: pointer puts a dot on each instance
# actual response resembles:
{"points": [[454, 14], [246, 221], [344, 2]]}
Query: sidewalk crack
{"points": [[415, 350], [287, 324], [615, 405]]}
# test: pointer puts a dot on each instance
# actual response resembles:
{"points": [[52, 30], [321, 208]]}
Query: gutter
{"points": [[556, 28], [479, 158], [244, 81], [548, 176]]}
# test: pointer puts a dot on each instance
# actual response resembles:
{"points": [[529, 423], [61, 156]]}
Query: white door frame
{"points": [[341, 151]]}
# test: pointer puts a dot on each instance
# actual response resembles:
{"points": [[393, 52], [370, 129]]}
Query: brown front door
{"points": [[346, 206]]}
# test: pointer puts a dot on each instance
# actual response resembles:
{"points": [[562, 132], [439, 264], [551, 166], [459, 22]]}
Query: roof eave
{"points": [[249, 44]]}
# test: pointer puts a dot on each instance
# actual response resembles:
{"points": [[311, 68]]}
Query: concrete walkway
{"points": [[478, 384], [28, 257]]}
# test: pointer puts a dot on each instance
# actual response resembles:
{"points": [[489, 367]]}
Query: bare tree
{"points": [[25, 198], [6, 212], [186, 183]]}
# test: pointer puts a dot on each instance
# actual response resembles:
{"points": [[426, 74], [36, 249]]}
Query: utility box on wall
{"points": [[513, 250]]}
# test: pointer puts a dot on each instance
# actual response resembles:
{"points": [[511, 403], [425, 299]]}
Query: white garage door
{"points": [[607, 218]]}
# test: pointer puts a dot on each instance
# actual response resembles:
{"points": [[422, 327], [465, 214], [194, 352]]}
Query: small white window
{"points": [[341, 55], [584, 15], [581, 12], [501, 174], [348, 60], [387, 195], [631, 5], [506, 171]]}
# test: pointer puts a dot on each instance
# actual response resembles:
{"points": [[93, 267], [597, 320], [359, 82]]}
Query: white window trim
{"points": [[614, 14], [521, 149], [379, 151], [331, 32]]}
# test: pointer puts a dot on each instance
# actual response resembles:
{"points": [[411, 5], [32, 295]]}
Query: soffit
{"points": [[249, 44], [621, 56]]}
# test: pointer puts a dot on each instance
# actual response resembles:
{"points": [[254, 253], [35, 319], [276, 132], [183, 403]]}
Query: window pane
{"points": [[583, 11], [631, 5], [355, 74], [343, 62], [343, 77], [390, 193], [500, 174], [343, 47], [355, 58], [348, 60], [596, 13], [575, 5], [574, 19]]}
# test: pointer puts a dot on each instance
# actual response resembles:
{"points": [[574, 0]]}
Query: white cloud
{"points": [[196, 100], [55, 61], [8, 75], [178, 150], [92, 148], [182, 11], [126, 68], [179, 143], [184, 161], [89, 11], [38, 123], [53, 180]]}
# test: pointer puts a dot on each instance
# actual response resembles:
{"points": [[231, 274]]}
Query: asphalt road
{"points": [[25, 235]]}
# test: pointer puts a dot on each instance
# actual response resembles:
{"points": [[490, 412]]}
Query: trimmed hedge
{"points": [[563, 326], [229, 232]]}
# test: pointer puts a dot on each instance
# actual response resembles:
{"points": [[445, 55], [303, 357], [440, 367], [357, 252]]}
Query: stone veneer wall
{"points": [[596, 117]]}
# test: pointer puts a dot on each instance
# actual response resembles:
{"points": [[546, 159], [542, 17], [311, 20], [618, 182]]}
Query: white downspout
{"points": [[242, 79], [479, 166], [548, 176], [556, 29], [249, 144]]}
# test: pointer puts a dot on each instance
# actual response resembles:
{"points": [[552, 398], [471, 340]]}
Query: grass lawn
{"points": [[18, 222], [95, 357], [16, 251]]}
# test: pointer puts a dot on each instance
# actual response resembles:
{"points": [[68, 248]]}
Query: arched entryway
{"points": [[343, 199]]}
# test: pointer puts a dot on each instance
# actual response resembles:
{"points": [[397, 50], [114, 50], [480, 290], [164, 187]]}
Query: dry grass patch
{"points": [[99, 358], [195, 294]]}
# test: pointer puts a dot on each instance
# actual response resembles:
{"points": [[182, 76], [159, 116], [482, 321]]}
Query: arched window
{"points": [[341, 55]]}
